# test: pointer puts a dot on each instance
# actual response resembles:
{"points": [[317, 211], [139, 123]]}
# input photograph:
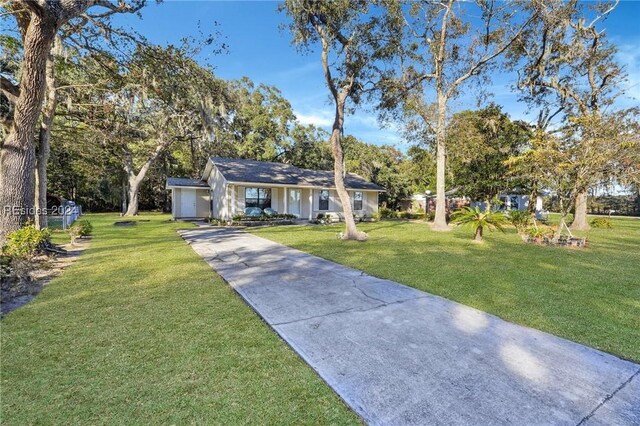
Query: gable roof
{"points": [[174, 181], [251, 171]]}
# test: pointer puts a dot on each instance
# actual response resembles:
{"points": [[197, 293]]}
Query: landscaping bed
{"points": [[262, 222]]}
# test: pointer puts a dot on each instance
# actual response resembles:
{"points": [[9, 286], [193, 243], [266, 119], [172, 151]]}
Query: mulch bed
{"points": [[17, 291]]}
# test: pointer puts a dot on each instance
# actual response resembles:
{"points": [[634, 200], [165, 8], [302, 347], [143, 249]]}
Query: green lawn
{"points": [[141, 331], [587, 295]]}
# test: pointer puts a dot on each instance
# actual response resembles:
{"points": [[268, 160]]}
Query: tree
{"points": [[159, 98], [422, 168], [38, 22], [570, 63], [480, 142], [309, 148], [345, 34], [261, 121], [439, 47], [43, 148], [382, 165], [479, 220]]}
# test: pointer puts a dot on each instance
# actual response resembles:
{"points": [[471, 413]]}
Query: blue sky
{"points": [[261, 51]]}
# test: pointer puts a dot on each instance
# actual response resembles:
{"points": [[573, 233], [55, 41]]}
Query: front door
{"points": [[188, 203], [294, 202]]}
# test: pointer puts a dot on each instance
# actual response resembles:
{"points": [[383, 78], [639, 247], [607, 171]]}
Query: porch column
{"points": [[286, 200], [310, 205]]}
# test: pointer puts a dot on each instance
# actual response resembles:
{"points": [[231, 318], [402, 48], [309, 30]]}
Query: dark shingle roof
{"points": [[174, 181], [238, 170]]}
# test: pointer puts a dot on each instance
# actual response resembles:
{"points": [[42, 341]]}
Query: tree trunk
{"points": [[123, 208], [533, 199], [135, 180], [478, 236], [351, 232], [580, 217], [42, 156], [563, 218], [17, 159], [440, 220], [134, 190]]}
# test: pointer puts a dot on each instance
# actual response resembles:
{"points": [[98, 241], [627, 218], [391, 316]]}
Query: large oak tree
{"points": [[572, 66], [38, 22]]}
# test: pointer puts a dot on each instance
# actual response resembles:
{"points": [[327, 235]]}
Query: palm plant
{"points": [[479, 220]]}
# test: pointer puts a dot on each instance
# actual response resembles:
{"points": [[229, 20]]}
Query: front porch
{"points": [[304, 203]]}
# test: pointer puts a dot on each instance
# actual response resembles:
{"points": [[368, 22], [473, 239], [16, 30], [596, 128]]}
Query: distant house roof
{"points": [[174, 181], [251, 171]]}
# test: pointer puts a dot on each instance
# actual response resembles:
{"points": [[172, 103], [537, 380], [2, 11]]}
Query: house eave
{"points": [[292, 185], [186, 186]]}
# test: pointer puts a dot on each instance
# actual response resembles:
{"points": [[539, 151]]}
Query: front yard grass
{"points": [[141, 331], [591, 295]]}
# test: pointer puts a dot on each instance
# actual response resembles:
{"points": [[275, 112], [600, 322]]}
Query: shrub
{"points": [[540, 231], [81, 228], [479, 220], [535, 232], [520, 219], [430, 216], [386, 213], [270, 212], [86, 228], [410, 215], [601, 222], [26, 242]]}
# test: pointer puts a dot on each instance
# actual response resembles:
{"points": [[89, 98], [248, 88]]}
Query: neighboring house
{"points": [[229, 185], [512, 201], [427, 201]]}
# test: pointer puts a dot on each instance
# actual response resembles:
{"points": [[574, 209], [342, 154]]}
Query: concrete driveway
{"points": [[399, 356]]}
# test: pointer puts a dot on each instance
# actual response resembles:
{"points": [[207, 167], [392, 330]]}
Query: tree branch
{"points": [[479, 64], [10, 90]]}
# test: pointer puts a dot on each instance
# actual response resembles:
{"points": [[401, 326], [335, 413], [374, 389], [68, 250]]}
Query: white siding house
{"points": [[512, 201], [232, 185]]}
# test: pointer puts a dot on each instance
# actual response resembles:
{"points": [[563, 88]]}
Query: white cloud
{"points": [[318, 118], [629, 56], [298, 72]]}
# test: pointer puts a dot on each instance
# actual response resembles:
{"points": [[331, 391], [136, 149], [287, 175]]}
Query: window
{"points": [[257, 197], [323, 201], [357, 200], [514, 203]]}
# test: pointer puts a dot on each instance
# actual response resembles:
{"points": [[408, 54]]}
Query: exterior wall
{"points": [[202, 202], [369, 203], [237, 195], [218, 190], [277, 202], [306, 208], [227, 200], [240, 194], [176, 205], [521, 202]]}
